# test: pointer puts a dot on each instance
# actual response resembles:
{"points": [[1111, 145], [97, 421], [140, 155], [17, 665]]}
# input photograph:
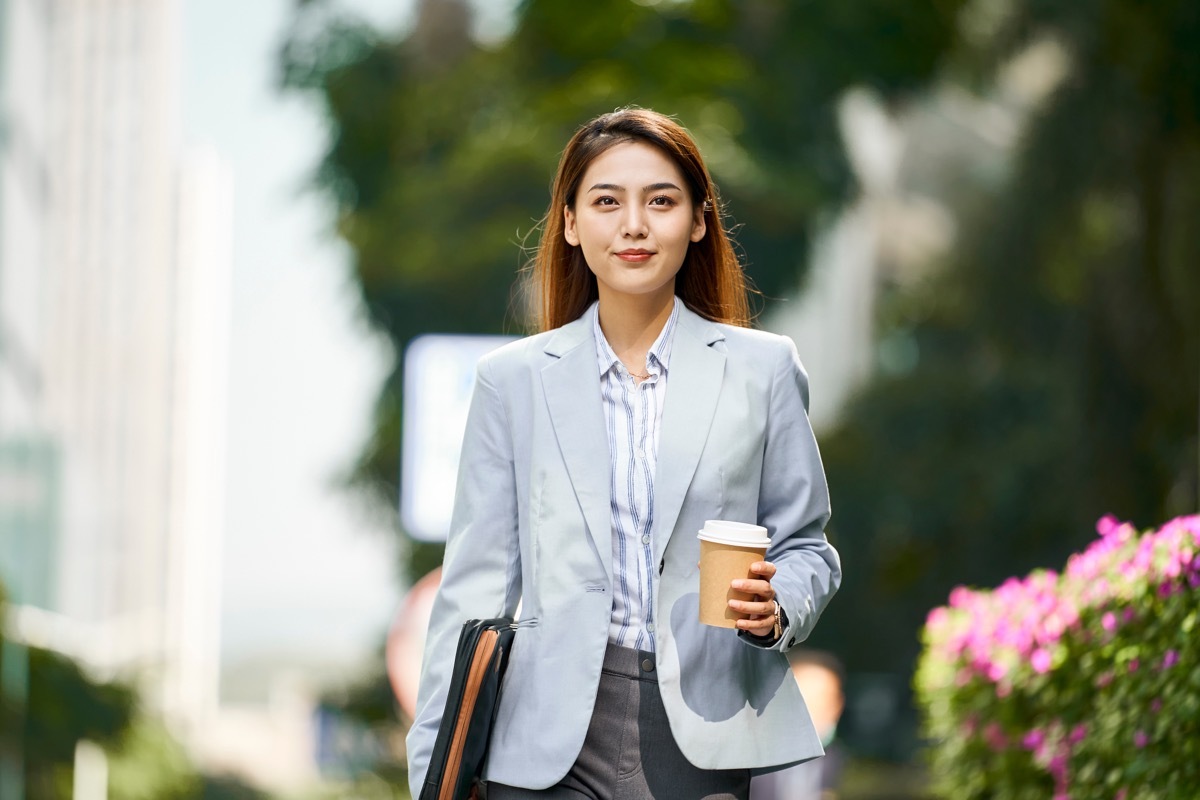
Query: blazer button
{"points": [[648, 664]]}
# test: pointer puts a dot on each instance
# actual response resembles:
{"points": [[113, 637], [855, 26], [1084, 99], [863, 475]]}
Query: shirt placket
{"points": [[646, 462]]}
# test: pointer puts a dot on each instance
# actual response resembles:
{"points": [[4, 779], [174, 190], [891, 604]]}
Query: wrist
{"points": [[776, 633]]}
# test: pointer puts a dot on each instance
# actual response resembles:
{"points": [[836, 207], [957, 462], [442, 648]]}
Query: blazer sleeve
{"points": [[481, 573], [793, 505]]}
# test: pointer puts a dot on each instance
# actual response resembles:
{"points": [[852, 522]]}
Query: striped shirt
{"points": [[633, 414]]}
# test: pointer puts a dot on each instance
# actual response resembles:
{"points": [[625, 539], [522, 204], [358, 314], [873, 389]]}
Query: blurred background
{"points": [[222, 224]]}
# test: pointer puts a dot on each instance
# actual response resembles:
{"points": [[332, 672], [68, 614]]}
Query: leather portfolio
{"points": [[462, 738]]}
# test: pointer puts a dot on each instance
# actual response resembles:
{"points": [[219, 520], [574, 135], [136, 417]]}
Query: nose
{"points": [[633, 222]]}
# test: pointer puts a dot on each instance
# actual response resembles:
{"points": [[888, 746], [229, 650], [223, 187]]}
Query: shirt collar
{"points": [[657, 358]]}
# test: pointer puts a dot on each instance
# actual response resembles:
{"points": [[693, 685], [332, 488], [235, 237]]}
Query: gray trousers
{"points": [[629, 752]]}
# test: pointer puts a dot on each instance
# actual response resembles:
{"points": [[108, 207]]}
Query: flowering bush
{"points": [[1080, 685]]}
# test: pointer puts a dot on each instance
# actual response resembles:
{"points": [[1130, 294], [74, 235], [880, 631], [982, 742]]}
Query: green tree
{"points": [[62, 705], [1058, 375]]}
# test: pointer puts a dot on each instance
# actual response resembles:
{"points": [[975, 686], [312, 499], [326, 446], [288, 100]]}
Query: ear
{"points": [[569, 232], [699, 226]]}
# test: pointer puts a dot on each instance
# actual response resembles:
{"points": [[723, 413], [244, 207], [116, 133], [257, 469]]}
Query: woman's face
{"points": [[633, 218]]}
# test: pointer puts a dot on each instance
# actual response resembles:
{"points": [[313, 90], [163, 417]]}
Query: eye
{"points": [[604, 200], [662, 200]]}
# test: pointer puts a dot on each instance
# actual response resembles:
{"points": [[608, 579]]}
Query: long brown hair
{"points": [[710, 282]]}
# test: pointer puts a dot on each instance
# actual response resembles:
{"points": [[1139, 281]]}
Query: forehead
{"points": [[632, 165]]}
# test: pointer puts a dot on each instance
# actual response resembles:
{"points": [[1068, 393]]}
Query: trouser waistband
{"points": [[630, 663]]}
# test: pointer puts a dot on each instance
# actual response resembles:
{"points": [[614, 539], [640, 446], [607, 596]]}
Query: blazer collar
{"points": [[573, 334], [693, 387], [571, 385]]}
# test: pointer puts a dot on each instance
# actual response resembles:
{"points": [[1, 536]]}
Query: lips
{"points": [[635, 255]]}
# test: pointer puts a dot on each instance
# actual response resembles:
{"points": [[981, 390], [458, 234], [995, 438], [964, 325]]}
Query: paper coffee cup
{"points": [[727, 549]]}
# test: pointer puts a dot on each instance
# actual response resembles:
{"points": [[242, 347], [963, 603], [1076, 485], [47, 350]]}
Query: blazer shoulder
{"points": [[514, 357], [769, 348]]}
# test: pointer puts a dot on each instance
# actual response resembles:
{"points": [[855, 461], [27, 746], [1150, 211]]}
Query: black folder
{"points": [[462, 739]]}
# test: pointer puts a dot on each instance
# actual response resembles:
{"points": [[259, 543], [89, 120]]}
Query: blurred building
{"points": [[114, 294]]}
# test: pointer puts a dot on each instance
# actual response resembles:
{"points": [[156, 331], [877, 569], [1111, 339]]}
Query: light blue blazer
{"points": [[531, 523]]}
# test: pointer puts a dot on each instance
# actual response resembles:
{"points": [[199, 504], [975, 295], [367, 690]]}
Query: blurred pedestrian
{"points": [[820, 678], [583, 483]]}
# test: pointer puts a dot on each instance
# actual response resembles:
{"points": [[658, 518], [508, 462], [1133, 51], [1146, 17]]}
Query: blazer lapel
{"points": [[571, 384], [694, 378]]}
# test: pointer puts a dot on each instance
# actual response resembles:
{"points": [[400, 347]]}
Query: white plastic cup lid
{"points": [[736, 534]]}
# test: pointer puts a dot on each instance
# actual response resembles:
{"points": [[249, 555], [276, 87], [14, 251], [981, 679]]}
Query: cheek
{"points": [[681, 231], [593, 234]]}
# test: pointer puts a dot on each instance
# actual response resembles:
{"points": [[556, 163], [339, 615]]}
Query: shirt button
{"points": [[648, 664], [646, 539], [650, 627]]}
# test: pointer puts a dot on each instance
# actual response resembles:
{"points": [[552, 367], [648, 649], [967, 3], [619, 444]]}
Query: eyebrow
{"points": [[654, 187]]}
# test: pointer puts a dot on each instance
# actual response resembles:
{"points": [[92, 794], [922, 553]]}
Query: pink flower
{"points": [[960, 597], [1121, 794], [1109, 621], [1078, 733], [1040, 661], [1133, 665], [1140, 739], [1170, 659], [1034, 739], [937, 617]]}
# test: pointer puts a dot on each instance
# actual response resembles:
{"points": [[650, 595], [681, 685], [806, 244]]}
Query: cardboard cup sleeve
{"points": [[720, 564]]}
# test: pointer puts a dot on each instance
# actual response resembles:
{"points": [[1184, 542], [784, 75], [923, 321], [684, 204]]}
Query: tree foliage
{"points": [[60, 706], [1058, 375], [63, 705]]}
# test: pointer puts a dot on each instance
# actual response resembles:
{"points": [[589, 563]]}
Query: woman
{"points": [[584, 480]]}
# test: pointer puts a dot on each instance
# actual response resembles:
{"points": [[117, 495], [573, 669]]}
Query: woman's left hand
{"points": [[761, 607]]}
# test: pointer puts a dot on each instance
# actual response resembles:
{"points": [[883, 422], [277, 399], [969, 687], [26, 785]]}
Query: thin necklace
{"points": [[637, 375]]}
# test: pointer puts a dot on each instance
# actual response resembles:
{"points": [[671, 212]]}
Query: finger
{"points": [[764, 568], [754, 608], [763, 589], [758, 627]]}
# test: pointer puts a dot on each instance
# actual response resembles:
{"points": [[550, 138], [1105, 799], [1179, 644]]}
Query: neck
{"points": [[631, 324]]}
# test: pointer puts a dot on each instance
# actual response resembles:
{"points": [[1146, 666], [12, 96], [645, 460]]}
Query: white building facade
{"points": [[114, 299]]}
